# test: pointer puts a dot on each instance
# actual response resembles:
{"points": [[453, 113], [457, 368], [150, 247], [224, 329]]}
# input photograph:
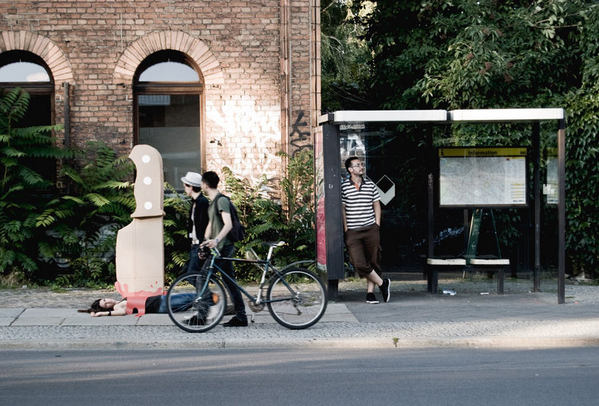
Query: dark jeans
{"points": [[181, 301], [227, 267], [195, 263], [363, 245]]}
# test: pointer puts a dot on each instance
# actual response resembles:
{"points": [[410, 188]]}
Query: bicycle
{"points": [[296, 298]]}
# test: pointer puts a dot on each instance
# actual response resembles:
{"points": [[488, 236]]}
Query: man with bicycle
{"points": [[219, 225]]}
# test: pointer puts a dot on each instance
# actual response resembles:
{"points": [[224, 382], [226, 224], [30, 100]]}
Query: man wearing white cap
{"points": [[198, 215]]}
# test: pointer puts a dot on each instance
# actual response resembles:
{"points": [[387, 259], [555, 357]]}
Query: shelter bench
{"points": [[436, 265]]}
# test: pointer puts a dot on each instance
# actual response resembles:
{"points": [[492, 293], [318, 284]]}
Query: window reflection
{"points": [[169, 72], [23, 72], [171, 124]]}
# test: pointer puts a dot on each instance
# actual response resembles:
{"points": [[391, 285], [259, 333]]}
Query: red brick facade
{"points": [[259, 60]]}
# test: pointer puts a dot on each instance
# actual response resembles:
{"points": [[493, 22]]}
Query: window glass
{"points": [[171, 124], [23, 72], [169, 72]]}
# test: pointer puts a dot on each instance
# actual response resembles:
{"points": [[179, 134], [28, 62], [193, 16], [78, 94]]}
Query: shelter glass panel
{"points": [[396, 161]]}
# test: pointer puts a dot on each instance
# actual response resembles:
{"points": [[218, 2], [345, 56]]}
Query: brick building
{"points": [[210, 83]]}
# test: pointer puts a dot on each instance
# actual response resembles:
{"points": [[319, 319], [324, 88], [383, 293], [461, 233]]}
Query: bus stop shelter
{"points": [[329, 174]]}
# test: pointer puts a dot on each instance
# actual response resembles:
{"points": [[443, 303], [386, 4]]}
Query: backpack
{"points": [[237, 233]]}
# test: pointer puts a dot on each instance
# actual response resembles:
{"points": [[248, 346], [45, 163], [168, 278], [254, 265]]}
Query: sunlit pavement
{"points": [[412, 319]]}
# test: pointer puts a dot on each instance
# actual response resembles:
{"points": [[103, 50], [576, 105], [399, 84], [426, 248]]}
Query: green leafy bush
{"points": [[24, 187], [81, 226], [176, 241], [290, 219]]}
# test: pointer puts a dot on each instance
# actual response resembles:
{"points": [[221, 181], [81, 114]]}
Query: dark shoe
{"points": [[194, 321], [371, 298], [386, 290], [236, 322]]}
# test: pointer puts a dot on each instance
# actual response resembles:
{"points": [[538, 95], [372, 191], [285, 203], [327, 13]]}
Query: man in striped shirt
{"points": [[361, 220]]}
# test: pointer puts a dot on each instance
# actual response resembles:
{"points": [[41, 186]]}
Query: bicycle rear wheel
{"points": [[194, 305], [296, 299]]}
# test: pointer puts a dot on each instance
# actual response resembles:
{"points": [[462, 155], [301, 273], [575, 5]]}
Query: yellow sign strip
{"points": [[474, 152]]}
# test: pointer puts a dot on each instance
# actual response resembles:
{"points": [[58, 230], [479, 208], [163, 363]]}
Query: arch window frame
{"points": [[35, 89], [169, 87], [38, 88]]}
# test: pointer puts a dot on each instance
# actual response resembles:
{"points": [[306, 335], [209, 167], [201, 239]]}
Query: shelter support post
{"points": [[334, 223], [333, 289], [431, 273], [561, 209], [536, 150]]}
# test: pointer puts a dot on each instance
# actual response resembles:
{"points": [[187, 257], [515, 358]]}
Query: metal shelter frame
{"points": [[332, 177]]}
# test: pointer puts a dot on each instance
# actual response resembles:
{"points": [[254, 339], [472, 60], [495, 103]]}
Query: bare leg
{"points": [[373, 279]]}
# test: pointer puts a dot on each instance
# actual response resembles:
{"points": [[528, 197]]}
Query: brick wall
{"points": [[239, 46]]}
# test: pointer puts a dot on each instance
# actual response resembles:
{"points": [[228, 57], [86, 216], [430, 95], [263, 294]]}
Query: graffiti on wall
{"points": [[299, 137]]}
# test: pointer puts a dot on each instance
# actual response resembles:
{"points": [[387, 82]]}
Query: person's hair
{"points": [[211, 179], [196, 189], [95, 307], [348, 162]]}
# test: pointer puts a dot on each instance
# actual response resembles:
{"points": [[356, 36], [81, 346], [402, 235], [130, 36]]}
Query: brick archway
{"points": [[175, 40], [41, 46]]}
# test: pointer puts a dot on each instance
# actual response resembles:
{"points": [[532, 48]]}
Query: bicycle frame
{"points": [[265, 264]]}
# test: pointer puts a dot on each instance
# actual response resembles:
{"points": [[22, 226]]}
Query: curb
{"points": [[492, 343]]}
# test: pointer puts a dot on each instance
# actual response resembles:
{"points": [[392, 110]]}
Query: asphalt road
{"points": [[301, 377]]}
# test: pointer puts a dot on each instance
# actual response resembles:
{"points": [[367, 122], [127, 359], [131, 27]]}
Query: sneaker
{"points": [[386, 289], [371, 298], [236, 322]]}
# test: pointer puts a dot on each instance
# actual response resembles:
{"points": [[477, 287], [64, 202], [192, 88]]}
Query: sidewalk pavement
{"points": [[41, 319]]}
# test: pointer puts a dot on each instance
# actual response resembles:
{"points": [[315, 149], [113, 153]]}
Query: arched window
{"points": [[28, 71], [168, 105]]}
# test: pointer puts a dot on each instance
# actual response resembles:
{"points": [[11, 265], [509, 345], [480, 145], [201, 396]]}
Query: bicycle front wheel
{"points": [[296, 299], [194, 304]]}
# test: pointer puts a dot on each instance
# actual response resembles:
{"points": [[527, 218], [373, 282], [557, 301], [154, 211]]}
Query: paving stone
{"points": [[50, 313], [38, 321], [11, 312], [100, 321]]}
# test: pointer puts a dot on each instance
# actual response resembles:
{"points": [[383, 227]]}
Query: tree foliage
{"points": [[460, 54], [344, 56]]}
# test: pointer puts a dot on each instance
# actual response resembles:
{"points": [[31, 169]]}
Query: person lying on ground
{"points": [[154, 304]]}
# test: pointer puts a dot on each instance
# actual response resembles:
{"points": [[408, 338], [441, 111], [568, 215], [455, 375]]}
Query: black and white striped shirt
{"points": [[359, 211]]}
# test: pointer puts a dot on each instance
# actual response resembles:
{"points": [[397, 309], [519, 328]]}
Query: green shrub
{"points": [[582, 182], [176, 241], [81, 226], [268, 219], [24, 188]]}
